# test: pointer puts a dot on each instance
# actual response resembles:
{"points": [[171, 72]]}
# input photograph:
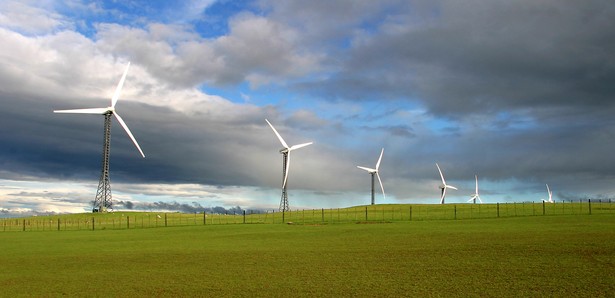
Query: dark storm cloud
{"points": [[70, 145], [179, 148], [460, 58]]}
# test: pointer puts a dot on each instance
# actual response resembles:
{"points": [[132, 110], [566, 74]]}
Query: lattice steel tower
{"points": [[103, 200]]}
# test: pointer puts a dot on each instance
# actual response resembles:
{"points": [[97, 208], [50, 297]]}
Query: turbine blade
{"points": [[450, 186], [441, 176], [470, 200], [381, 187], [128, 132], [379, 159], [277, 134], [476, 176], [478, 197], [116, 95], [98, 111], [299, 146], [287, 167], [367, 169]]}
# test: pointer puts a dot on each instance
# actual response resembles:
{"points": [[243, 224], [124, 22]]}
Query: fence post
{"points": [[24, 225], [455, 211], [498, 208], [323, 214], [93, 224], [204, 218], [283, 214], [127, 222], [58, 224], [365, 212], [543, 208], [165, 220], [244, 216], [410, 213], [589, 201]]}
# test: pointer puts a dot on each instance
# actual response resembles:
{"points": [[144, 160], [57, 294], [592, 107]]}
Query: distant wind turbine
{"points": [[475, 195], [103, 200], [285, 165], [550, 195], [444, 186], [375, 172]]}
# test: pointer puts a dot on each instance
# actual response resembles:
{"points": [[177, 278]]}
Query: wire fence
{"points": [[371, 213]]}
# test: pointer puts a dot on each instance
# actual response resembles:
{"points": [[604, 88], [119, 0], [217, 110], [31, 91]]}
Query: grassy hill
{"points": [[388, 213]]}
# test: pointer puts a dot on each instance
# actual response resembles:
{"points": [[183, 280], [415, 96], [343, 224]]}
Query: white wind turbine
{"points": [[375, 172], [550, 195], [475, 195], [103, 200], [285, 165], [444, 186]]}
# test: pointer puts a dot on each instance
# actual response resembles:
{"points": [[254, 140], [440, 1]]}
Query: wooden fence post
{"points": [[543, 208], [165, 220], [244, 216], [410, 213], [589, 202], [455, 211], [498, 208], [58, 223]]}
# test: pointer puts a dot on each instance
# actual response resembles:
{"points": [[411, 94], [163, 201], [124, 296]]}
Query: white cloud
{"points": [[29, 19]]}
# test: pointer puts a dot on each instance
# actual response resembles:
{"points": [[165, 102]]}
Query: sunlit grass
{"points": [[566, 255]]}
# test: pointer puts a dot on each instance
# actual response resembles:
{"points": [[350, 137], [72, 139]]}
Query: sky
{"points": [[520, 93]]}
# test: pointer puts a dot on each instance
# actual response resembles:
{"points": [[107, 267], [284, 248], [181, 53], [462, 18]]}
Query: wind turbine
{"points": [[103, 200], [444, 186], [475, 195], [285, 165], [550, 195], [375, 172]]}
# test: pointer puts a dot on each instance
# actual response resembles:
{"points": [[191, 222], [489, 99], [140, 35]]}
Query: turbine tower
{"points": [[285, 166], [444, 186], [103, 200], [475, 195], [375, 172], [550, 195]]}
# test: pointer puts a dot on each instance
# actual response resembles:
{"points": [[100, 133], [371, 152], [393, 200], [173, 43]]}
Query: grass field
{"points": [[561, 256], [388, 213]]}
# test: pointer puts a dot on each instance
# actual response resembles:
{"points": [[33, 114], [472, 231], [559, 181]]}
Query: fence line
{"points": [[372, 213]]}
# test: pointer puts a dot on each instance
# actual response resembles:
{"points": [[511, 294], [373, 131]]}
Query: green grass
{"points": [[566, 256], [388, 213]]}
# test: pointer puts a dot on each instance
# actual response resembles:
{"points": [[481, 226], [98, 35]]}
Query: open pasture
{"points": [[565, 256], [377, 213]]}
